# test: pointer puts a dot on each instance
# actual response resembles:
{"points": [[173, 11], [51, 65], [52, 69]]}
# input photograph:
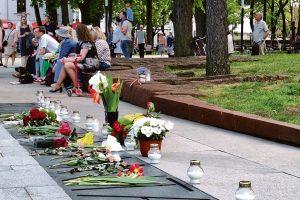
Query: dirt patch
{"points": [[294, 110]]}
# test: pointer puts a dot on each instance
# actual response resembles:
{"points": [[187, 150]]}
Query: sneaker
{"points": [[4, 66]]}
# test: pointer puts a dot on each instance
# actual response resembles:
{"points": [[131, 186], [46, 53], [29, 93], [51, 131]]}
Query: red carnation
{"points": [[62, 142], [65, 129], [34, 110], [118, 127], [26, 119], [34, 116], [42, 115]]}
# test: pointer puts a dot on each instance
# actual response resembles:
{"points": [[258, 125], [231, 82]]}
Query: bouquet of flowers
{"points": [[38, 117], [121, 127], [151, 128], [103, 87]]}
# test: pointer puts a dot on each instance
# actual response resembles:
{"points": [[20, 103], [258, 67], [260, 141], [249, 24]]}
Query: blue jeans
{"points": [[126, 48], [103, 66], [58, 68]]}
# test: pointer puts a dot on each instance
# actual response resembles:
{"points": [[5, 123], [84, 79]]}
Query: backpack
{"points": [[24, 77]]}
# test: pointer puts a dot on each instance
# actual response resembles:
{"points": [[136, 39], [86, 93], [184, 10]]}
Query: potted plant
{"points": [[102, 86], [150, 130]]}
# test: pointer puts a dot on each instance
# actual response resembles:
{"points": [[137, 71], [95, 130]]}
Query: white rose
{"points": [[101, 155], [150, 131], [117, 158], [157, 130], [154, 122], [144, 130], [169, 125]]}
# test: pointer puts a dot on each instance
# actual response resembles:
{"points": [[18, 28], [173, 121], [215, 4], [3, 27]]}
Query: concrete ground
{"points": [[226, 157]]}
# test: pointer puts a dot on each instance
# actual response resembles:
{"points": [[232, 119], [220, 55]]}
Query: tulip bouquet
{"points": [[103, 87]]}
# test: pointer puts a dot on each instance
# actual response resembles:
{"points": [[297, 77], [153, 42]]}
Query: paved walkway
{"points": [[227, 157]]}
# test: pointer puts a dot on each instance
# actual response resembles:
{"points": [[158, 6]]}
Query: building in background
{"points": [[11, 10]]}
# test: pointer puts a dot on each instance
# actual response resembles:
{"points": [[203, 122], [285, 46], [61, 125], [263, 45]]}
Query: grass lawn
{"points": [[278, 100]]}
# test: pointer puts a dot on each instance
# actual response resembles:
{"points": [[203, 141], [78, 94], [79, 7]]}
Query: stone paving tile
{"points": [[182, 144], [15, 150], [17, 160], [8, 142], [222, 172], [14, 194], [36, 176], [5, 168], [47, 193], [4, 135]]}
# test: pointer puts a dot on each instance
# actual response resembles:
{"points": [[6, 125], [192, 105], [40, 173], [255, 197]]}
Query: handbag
{"points": [[5, 42]]}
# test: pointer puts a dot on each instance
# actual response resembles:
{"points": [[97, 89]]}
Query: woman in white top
{"points": [[12, 38]]}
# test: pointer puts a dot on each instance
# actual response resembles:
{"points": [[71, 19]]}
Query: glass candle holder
{"points": [[47, 102], [154, 154], [105, 131], [52, 105], [42, 102], [195, 172], [57, 112], [142, 78], [129, 142], [58, 103], [38, 95], [76, 116], [64, 113], [244, 192], [89, 123]]}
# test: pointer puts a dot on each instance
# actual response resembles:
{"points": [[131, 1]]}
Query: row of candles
{"points": [[194, 172]]}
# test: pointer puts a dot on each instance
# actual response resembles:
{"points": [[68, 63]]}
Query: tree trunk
{"points": [[110, 13], [298, 31], [51, 10], [251, 14], [284, 32], [183, 28], [217, 44], [273, 26], [37, 14], [200, 18], [149, 22], [85, 12], [64, 12]]}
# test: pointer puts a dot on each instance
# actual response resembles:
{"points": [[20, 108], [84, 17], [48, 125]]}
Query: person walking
{"points": [[2, 33], [170, 44], [25, 33], [126, 28], [260, 33], [161, 41], [12, 39], [141, 40]]}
